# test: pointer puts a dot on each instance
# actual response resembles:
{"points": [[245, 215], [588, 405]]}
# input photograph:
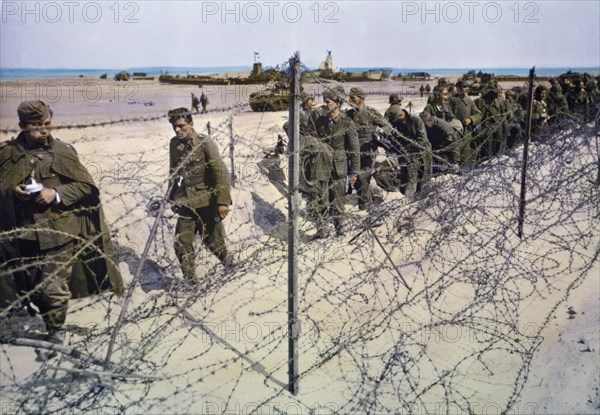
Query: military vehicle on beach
{"points": [[257, 76], [275, 97]]}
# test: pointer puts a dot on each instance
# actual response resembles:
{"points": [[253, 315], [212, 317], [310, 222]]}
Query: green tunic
{"points": [[201, 184]]}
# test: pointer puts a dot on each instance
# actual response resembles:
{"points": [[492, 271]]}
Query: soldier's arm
{"points": [[476, 115], [381, 122], [421, 132], [76, 183], [353, 148], [71, 193], [218, 171]]}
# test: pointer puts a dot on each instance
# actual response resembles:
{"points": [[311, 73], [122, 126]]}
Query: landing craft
{"points": [[328, 71]]}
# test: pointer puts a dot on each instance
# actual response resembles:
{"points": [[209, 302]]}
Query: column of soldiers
{"points": [[452, 132], [60, 245]]}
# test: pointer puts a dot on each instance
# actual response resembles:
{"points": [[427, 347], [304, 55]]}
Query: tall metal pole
{"points": [[526, 153], [231, 139], [293, 198]]}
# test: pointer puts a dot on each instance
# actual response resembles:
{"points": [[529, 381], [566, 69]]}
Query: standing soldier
{"points": [[308, 114], [368, 121], [59, 246], [195, 103], [539, 110], [578, 98], [494, 123], [558, 107], [395, 102], [409, 141], [469, 115], [200, 194], [204, 102], [515, 119], [339, 132]]}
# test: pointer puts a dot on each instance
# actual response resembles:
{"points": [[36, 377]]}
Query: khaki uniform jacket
{"points": [[75, 217], [201, 178]]}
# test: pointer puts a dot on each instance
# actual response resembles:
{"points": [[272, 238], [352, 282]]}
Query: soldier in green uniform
{"points": [[368, 122], [539, 110], [558, 107], [200, 192], [469, 115], [494, 123], [395, 102], [308, 114], [203, 102], [515, 119], [338, 131], [444, 130], [579, 99], [59, 246], [409, 141]]}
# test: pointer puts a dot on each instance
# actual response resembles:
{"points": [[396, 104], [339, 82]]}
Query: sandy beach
{"points": [[491, 324]]}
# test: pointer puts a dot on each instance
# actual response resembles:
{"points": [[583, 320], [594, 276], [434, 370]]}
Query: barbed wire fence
{"points": [[368, 344]]}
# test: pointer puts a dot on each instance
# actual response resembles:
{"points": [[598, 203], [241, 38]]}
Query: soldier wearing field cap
{"points": [[200, 192], [395, 102], [59, 246], [469, 115], [410, 143], [369, 123], [338, 131]]}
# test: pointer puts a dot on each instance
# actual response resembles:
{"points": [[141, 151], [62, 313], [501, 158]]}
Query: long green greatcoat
{"points": [[95, 271]]}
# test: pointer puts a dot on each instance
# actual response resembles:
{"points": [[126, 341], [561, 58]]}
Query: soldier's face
{"points": [[331, 105], [355, 101], [37, 133], [310, 103], [183, 129]]}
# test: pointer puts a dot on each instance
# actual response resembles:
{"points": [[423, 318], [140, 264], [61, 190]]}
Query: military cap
{"points": [[425, 116], [393, 112], [439, 88], [334, 95], [178, 113], [33, 111], [461, 84], [510, 92], [395, 99], [357, 92]]}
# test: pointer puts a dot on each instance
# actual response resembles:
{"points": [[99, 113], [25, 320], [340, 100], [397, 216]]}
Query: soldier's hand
{"points": [[20, 192], [467, 121], [222, 211], [352, 179], [45, 196]]}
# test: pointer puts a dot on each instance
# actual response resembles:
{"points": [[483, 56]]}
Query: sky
{"points": [[399, 34]]}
